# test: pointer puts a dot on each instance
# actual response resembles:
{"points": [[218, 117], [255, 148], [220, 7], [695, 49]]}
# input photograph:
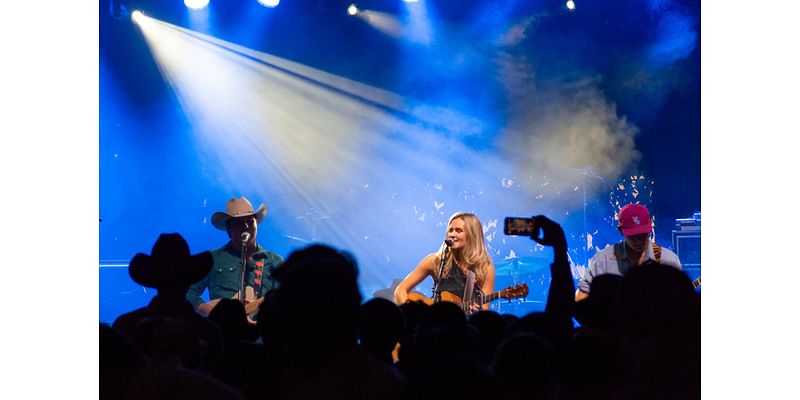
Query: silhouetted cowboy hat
{"points": [[237, 208], [170, 265]]}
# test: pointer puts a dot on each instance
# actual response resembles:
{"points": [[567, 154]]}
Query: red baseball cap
{"points": [[634, 219]]}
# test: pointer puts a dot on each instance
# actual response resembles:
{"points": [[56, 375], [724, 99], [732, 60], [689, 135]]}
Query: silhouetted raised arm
{"points": [[560, 297]]}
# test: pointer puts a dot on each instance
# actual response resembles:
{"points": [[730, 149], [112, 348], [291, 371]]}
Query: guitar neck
{"points": [[510, 293], [490, 298]]}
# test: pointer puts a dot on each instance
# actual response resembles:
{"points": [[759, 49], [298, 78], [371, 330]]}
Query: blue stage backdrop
{"points": [[367, 132]]}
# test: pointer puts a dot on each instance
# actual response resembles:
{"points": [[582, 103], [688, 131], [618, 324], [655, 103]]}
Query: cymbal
{"points": [[513, 266]]}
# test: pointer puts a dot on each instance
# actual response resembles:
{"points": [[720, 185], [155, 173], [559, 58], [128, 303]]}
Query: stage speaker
{"points": [[687, 246]]}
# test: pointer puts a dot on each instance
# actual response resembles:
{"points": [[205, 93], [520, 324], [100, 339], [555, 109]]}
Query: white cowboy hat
{"points": [[237, 208]]}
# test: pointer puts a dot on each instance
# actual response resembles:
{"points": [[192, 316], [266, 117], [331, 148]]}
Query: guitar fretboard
{"points": [[490, 298]]}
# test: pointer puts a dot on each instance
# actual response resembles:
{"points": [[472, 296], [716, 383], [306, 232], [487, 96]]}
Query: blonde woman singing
{"points": [[463, 251]]}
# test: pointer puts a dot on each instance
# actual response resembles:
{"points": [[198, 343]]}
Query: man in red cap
{"points": [[240, 220], [636, 249]]}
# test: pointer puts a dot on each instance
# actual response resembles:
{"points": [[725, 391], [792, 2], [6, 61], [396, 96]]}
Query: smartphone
{"points": [[518, 226]]}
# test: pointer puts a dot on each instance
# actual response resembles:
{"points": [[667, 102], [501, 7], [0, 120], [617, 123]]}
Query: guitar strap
{"points": [[468, 288], [259, 271], [657, 252]]}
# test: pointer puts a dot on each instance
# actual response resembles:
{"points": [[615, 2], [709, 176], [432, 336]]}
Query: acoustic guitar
{"points": [[511, 292], [251, 303]]}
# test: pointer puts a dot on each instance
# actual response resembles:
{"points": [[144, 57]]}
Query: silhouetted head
{"points": [[318, 300], [412, 313], [526, 366], [488, 322], [656, 298], [230, 316], [442, 313], [538, 323], [440, 344], [491, 328], [601, 309], [170, 267], [382, 325]]}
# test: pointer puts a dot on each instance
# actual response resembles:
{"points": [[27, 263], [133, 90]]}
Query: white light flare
{"points": [[195, 4], [352, 9], [269, 3]]}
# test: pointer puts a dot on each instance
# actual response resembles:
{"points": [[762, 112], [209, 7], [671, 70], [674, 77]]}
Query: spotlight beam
{"points": [[314, 140], [395, 108]]}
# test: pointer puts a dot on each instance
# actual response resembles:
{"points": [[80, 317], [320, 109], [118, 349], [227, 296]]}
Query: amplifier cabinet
{"points": [[687, 247]]}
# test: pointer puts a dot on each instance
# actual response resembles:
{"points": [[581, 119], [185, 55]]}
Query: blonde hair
{"points": [[474, 254]]}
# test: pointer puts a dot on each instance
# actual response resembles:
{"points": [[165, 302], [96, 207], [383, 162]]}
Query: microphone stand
{"points": [[243, 269], [437, 291]]}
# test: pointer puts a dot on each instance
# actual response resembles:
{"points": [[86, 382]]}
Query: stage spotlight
{"points": [[352, 10], [195, 4], [570, 5], [136, 16], [269, 3], [410, 1]]}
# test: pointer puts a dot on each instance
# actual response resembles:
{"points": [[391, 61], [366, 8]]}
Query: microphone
{"points": [[448, 242], [245, 236]]}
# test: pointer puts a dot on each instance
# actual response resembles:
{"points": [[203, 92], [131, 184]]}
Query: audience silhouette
{"points": [[639, 337], [491, 328], [526, 366], [316, 313], [168, 325], [382, 325]]}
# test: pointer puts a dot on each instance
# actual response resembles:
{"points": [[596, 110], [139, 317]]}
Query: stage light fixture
{"points": [[570, 5], [136, 16], [195, 4], [410, 1], [352, 9], [269, 3]]}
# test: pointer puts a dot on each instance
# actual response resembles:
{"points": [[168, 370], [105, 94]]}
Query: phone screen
{"points": [[518, 226]]}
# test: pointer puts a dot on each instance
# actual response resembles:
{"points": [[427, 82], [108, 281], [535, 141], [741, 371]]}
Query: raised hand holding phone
{"points": [[548, 233], [560, 297]]}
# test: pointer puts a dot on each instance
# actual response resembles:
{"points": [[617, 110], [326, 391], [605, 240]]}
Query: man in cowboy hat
{"points": [[240, 221], [170, 269], [635, 249]]}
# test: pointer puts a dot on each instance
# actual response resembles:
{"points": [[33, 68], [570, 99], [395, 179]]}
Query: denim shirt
{"points": [[223, 279]]}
